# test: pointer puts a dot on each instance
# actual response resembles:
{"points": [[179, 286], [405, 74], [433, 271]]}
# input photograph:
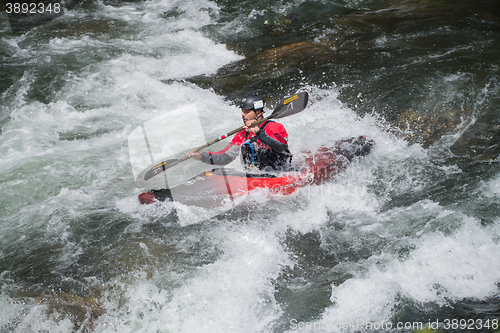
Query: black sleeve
{"points": [[221, 159], [267, 140]]}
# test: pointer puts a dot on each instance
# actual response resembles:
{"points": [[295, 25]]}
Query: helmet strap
{"points": [[258, 117]]}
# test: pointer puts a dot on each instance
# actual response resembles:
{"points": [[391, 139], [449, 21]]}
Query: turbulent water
{"points": [[406, 237]]}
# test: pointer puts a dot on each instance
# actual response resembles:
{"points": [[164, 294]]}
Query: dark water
{"points": [[408, 235]]}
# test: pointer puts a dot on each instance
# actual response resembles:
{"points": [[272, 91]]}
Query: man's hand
{"points": [[193, 154], [254, 129]]}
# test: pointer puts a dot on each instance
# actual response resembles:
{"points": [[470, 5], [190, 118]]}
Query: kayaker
{"points": [[263, 147]]}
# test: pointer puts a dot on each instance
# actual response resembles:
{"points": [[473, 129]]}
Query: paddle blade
{"points": [[159, 168], [291, 105]]}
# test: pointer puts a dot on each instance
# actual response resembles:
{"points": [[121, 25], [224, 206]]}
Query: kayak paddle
{"points": [[289, 106]]}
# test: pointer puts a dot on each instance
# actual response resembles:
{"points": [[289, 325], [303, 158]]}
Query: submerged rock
{"points": [[260, 72], [480, 142], [427, 129], [81, 311], [279, 26]]}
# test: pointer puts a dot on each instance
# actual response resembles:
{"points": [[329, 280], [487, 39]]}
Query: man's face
{"points": [[248, 116]]}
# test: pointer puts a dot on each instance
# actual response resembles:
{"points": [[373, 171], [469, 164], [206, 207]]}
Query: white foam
{"points": [[491, 188], [442, 268], [232, 294]]}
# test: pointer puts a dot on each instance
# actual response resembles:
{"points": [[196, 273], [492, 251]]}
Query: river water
{"points": [[408, 235]]}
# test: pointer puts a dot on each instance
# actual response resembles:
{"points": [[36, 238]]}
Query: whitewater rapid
{"points": [[378, 239]]}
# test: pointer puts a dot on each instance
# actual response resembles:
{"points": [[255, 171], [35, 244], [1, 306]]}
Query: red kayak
{"points": [[216, 187]]}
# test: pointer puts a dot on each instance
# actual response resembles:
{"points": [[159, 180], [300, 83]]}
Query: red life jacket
{"points": [[261, 155], [274, 130]]}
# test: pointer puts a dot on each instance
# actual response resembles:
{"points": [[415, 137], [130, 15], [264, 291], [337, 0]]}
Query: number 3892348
{"points": [[32, 8]]}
